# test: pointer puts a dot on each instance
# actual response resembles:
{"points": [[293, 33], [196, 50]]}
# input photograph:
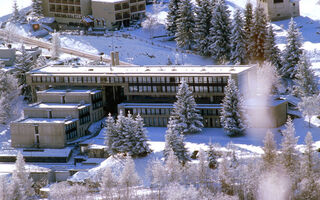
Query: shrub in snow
{"points": [[158, 176], [309, 106], [268, 80], [226, 178], [108, 184], [129, 177], [203, 16], [238, 40], [172, 16], [55, 46], [151, 22], [174, 141], [220, 32], [185, 25], [20, 183], [173, 168], [176, 191], [10, 32], [232, 111], [184, 114], [305, 78], [64, 190], [4, 185], [292, 52], [258, 35]]}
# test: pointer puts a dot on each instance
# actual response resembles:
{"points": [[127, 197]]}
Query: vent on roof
{"points": [[173, 69], [203, 69], [147, 69], [232, 69], [90, 70]]}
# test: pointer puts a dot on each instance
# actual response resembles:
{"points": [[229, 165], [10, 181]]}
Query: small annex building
{"points": [[280, 9]]}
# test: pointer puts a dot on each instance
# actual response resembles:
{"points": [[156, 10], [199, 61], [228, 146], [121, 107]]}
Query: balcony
{"points": [[77, 2], [126, 15], [142, 7], [117, 7], [133, 1], [58, 1], [133, 9], [64, 1], [70, 2], [118, 16], [52, 1], [125, 6]]}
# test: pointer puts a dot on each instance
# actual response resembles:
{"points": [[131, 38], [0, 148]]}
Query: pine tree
{"points": [[292, 52], [212, 157], [24, 65], [184, 113], [258, 35], [56, 46], [202, 168], [305, 78], [289, 155], [309, 187], [185, 25], [37, 10], [271, 51], [4, 185], [108, 183], [248, 24], [238, 40], [270, 151], [21, 185], [232, 111], [203, 16], [174, 141], [15, 14], [129, 177], [220, 32], [309, 106], [172, 16], [111, 135], [141, 146]]}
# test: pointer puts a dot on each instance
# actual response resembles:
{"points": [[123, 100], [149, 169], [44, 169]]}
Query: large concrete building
{"points": [[60, 116], [280, 9], [109, 13]]}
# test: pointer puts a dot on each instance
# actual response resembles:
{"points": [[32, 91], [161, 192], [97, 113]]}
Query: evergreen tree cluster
{"points": [[127, 135]]}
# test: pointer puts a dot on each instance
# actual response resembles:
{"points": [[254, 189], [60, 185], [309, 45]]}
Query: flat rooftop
{"points": [[57, 106], [165, 105], [47, 120], [135, 70], [109, 1], [71, 91]]}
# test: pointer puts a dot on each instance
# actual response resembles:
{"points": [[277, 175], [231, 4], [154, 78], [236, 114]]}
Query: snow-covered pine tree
{"points": [[20, 184], [24, 64], [185, 25], [108, 183], [129, 177], [37, 10], [309, 106], [248, 24], [271, 52], [4, 185], [173, 168], [111, 135], [309, 186], [270, 151], [232, 112], [172, 17], [292, 52], [15, 12], [123, 127], [220, 32], [141, 147], [184, 112], [174, 141], [203, 16], [289, 155], [212, 157], [305, 78], [55, 46], [238, 40], [258, 35]]}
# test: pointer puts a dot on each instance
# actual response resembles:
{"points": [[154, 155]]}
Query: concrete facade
{"points": [[7, 56], [280, 9]]}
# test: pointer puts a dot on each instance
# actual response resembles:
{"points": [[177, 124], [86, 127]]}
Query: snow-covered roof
{"points": [[58, 106], [135, 70], [262, 102], [165, 105], [110, 1], [28, 152], [63, 91], [46, 20], [47, 120]]}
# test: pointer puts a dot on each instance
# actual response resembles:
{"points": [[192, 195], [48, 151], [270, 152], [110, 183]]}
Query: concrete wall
{"points": [[280, 11], [56, 112], [51, 135], [69, 97], [9, 55], [104, 10]]}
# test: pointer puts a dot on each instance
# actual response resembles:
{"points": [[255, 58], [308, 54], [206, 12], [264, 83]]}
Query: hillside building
{"points": [[101, 13], [280, 9]]}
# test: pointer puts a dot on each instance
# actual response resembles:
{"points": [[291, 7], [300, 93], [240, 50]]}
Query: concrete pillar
{"points": [[112, 59], [117, 58]]}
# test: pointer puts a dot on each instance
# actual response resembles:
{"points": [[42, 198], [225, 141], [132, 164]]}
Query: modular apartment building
{"points": [[148, 90], [106, 13], [60, 116], [280, 9]]}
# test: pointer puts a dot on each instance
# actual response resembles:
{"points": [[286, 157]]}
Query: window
{"points": [[277, 1]]}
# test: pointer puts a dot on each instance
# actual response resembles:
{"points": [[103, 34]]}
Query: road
{"points": [[47, 45]]}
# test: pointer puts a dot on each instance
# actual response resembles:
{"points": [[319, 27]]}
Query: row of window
{"points": [[92, 79], [84, 111], [72, 134], [96, 96], [84, 119], [71, 126], [174, 89], [97, 105], [72, 16], [167, 111]]}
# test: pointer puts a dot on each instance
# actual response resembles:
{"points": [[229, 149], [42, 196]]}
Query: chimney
{"points": [[112, 59], [117, 58]]}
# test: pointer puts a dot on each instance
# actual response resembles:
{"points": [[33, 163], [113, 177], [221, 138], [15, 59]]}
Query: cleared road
{"points": [[46, 45]]}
